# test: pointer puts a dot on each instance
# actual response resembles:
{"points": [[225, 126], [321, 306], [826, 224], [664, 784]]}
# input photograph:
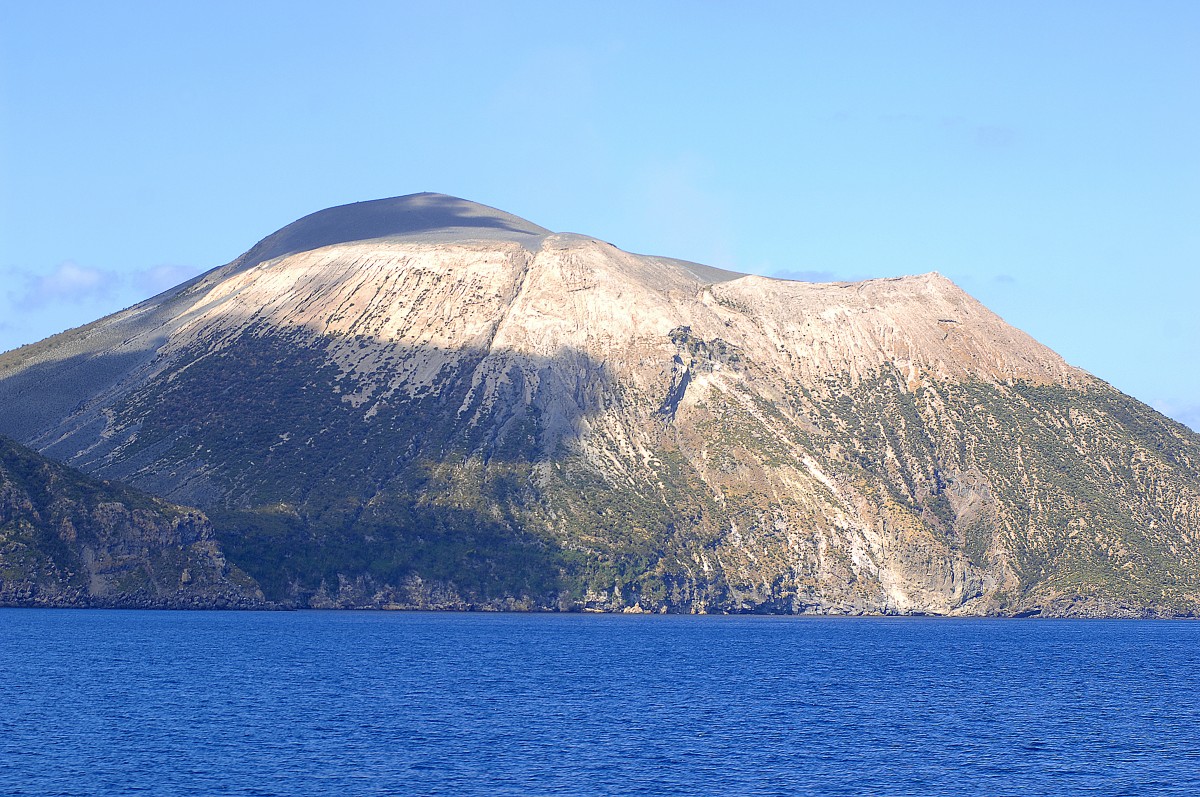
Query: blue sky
{"points": [[1041, 154]]}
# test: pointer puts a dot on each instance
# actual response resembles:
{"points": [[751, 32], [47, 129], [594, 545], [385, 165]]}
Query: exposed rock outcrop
{"points": [[425, 402], [67, 540]]}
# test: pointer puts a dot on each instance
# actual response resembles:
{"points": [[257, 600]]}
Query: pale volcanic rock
{"points": [[628, 432]]}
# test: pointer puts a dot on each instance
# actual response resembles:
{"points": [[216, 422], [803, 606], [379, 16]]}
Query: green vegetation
{"points": [[455, 496], [69, 540], [1078, 486]]}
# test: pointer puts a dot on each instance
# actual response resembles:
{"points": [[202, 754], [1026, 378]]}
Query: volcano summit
{"points": [[425, 402]]}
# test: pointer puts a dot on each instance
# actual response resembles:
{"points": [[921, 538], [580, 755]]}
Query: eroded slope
{"points": [[496, 415], [68, 540]]}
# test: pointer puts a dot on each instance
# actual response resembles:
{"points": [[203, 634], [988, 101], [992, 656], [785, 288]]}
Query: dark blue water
{"points": [[305, 703]]}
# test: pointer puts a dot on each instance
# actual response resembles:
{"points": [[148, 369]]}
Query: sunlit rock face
{"points": [[422, 401]]}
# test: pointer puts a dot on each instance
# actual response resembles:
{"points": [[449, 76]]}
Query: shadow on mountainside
{"points": [[329, 503], [415, 215], [468, 487], [69, 540], [39, 397]]}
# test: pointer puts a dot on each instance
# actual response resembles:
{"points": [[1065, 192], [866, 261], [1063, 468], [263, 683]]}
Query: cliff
{"points": [[426, 402], [67, 540]]}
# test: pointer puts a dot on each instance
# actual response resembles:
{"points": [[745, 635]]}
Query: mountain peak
{"points": [[426, 402], [424, 216]]}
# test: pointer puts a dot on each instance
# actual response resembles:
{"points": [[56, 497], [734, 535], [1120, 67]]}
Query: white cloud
{"points": [[686, 213], [1187, 414], [34, 305], [156, 279], [995, 136], [811, 276], [68, 282], [71, 283]]}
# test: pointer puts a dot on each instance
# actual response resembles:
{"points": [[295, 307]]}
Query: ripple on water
{"points": [[308, 703]]}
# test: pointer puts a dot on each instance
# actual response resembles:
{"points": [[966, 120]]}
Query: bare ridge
{"points": [[426, 402], [424, 216]]}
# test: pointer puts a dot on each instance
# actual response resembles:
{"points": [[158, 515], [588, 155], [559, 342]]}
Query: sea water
{"points": [[374, 703]]}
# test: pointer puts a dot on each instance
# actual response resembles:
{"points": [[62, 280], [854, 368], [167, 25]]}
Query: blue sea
{"points": [[380, 703]]}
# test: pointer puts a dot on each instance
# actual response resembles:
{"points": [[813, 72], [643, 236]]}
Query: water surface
{"points": [[308, 703]]}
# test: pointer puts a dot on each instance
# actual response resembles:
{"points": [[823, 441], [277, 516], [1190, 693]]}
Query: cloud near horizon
{"points": [[1187, 414], [75, 284], [995, 136], [68, 282], [156, 279], [34, 305], [811, 276]]}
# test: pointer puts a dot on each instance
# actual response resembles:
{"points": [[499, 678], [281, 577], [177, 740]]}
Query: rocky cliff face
{"points": [[67, 540], [425, 402]]}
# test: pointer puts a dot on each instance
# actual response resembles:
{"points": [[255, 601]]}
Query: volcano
{"points": [[423, 402]]}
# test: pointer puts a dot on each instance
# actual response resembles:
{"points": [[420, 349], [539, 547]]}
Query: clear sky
{"points": [[1044, 155]]}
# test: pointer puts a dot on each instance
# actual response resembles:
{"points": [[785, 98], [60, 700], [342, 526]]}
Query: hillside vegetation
{"points": [[427, 403]]}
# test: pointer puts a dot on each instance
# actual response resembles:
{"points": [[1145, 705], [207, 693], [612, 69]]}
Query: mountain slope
{"points": [[68, 540], [426, 402]]}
